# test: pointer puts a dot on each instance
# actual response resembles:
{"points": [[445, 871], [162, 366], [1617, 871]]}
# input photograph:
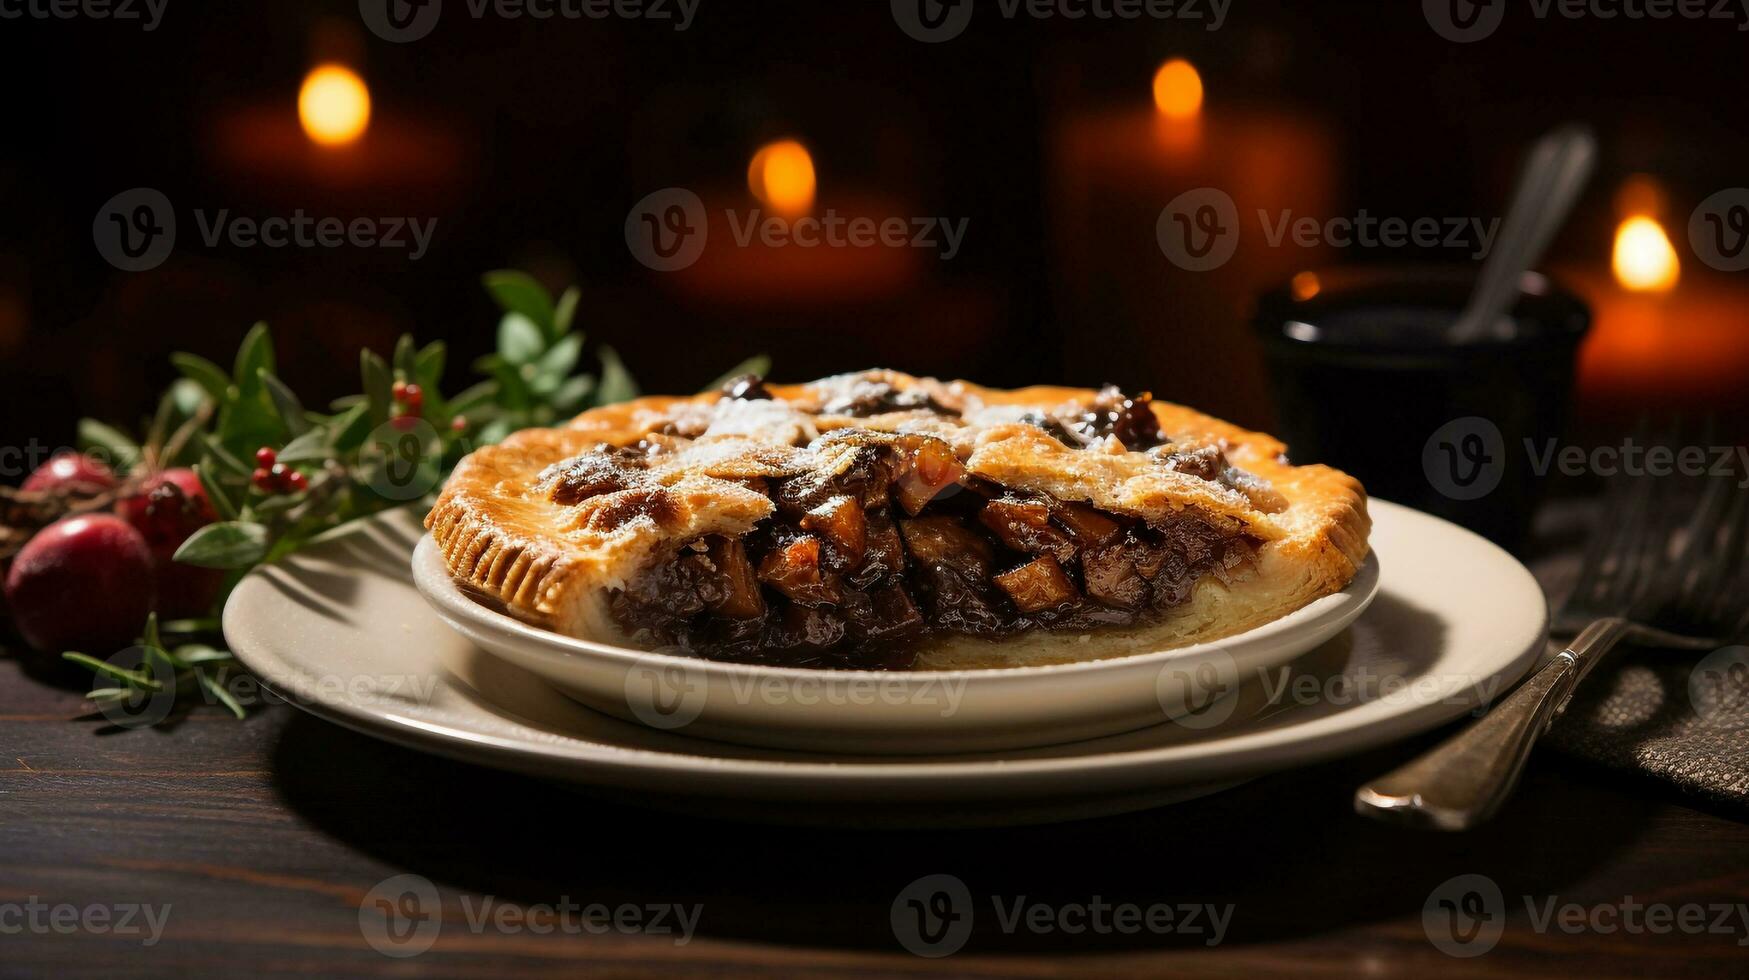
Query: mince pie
{"points": [[877, 520]]}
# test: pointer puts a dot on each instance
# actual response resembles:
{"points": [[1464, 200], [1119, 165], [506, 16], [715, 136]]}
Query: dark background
{"points": [[560, 126]]}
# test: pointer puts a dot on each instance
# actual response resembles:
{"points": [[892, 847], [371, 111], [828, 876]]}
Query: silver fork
{"points": [[1656, 573]]}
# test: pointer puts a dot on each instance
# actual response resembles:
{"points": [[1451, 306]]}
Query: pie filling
{"points": [[895, 544]]}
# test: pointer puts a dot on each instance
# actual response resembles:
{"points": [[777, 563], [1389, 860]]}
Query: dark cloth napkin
{"points": [[1679, 717]]}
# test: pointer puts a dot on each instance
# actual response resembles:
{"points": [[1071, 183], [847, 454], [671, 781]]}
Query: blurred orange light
{"points": [[1644, 260], [334, 105], [1306, 285], [782, 176], [1178, 89]]}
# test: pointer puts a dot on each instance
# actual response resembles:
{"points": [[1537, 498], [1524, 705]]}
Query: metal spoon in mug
{"points": [[1554, 173]]}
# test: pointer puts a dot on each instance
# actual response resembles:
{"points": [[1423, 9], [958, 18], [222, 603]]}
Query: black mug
{"points": [[1366, 380]]}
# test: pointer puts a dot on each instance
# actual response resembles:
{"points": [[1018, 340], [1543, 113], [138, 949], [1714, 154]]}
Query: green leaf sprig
{"points": [[389, 445]]}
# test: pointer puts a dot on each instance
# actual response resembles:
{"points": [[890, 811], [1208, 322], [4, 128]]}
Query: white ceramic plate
{"points": [[341, 631], [875, 712]]}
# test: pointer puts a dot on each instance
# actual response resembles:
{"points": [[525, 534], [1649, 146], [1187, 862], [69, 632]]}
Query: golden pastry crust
{"points": [[505, 536]]}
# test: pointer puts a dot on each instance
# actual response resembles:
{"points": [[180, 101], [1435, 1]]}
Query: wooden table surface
{"points": [[264, 836]]}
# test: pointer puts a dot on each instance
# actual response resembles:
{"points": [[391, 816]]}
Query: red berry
{"points": [[405, 423], [459, 423], [83, 583], [67, 470], [263, 480], [297, 481], [414, 396], [400, 391], [266, 457]]}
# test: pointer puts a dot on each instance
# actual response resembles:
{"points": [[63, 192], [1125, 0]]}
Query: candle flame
{"points": [[782, 176], [1178, 89], [1644, 260], [334, 105]]}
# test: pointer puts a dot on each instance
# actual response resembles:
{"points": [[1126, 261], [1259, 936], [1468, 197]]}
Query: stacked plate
{"points": [[367, 630]]}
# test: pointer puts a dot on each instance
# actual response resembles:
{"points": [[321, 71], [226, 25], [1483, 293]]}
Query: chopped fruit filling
{"points": [[885, 539], [846, 574]]}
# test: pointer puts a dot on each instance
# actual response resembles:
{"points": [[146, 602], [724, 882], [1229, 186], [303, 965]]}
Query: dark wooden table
{"points": [[264, 836]]}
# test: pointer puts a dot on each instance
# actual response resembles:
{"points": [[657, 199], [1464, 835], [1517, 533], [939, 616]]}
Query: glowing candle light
{"points": [[334, 105], [782, 176], [1178, 90], [1643, 259]]}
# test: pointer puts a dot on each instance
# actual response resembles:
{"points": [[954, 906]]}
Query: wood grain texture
{"points": [[264, 835]]}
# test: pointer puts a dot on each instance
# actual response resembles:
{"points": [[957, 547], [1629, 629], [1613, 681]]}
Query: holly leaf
{"points": [[519, 339], [226, 544], [566, 310], [254, 356], [211, 378], [518, 292], [428, 365], [291, 411], [379, 385]]}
